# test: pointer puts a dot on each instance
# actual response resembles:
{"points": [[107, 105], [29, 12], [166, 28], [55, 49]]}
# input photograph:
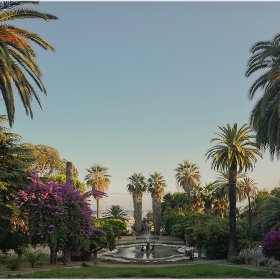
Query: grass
{"points": [[187, 271]]}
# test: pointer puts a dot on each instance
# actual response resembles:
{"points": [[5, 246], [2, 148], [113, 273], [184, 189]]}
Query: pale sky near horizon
{"points": [[142, 86]]}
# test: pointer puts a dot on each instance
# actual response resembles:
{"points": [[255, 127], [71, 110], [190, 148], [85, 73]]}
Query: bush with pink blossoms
{"points": [[58, 215], [271, 245]]}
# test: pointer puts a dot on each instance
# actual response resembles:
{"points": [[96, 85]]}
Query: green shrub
{"points": [[263, 262], [237, 259], [85, 264], [32, 257], [13, 263], [215, 243], [3, 259]]}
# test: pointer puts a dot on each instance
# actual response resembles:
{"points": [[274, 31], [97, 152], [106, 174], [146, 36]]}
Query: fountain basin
{"points": [[132, 252]]}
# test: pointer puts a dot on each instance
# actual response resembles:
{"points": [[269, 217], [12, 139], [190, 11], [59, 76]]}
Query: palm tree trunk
{"points": [[189, 201], [69, 171], [137, 204], [232, 209], [156, 203], [250, 218], [97, 207]]}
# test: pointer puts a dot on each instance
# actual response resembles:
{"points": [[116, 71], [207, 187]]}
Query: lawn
{"points": [[187, 271]]}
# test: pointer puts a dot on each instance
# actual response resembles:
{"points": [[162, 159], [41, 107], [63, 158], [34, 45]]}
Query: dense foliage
{"points": [[271, 245], [57, 215]]}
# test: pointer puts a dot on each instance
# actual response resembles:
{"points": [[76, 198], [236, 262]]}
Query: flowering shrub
{"points": [[271, 245], [58, 215]]}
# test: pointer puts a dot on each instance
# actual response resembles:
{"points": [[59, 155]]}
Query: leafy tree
{"points": [[98, 179], [149, 217], [17, 57], [116, 212], [13, 161], [265, 115], [137, 185], [235, 151], [61, 179], [57, 215], [155, 186], [177, 201], [187, 174], [46, 161]]}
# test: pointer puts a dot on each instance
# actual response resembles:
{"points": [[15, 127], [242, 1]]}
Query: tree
{"points": [[248, 187], [197, 198], [46, 161], [271, 245], [155, 186], [57, 215], [235, 151], [61, 179], [98, 179], [187, 174], [112, 229], [17, 57], [116, 212], [174, 202], [208, 198], [137, 185], [14, 158], [270, 212], [265, 117]]}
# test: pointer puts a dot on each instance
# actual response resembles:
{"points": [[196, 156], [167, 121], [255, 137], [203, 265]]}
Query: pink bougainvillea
{"points": [[271, 245], [58, 215]]}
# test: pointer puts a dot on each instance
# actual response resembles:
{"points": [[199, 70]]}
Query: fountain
{"points": [[147, 235], [138, 252], [146, 251]]}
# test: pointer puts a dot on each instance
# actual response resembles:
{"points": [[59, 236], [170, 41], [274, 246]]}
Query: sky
{"points": [[139, 87]]}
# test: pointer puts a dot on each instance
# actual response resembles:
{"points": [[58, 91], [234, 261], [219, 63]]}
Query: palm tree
{"points": [[137, 185], [221, 186], [234, 151], [208, 197], [116, 212], [197, 198], [270, 214], [98, 179], [17, 57], [264, 117], [187, 175], [156, 185], [248, 187]]}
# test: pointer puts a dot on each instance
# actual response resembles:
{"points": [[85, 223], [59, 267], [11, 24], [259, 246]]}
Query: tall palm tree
{"points": [[17, 57], [137, 186], [265, 117], [235, 151], [98, 179], [156, 185], [248, 187], [187, 174]]}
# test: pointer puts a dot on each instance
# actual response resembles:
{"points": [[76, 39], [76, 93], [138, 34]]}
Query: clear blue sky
{"points": [[142, 86]]}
